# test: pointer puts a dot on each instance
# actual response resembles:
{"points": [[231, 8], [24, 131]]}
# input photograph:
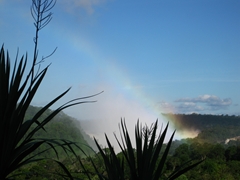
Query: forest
{"points": [[221, 160]]}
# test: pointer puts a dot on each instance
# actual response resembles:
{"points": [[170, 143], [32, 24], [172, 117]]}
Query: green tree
{"points": [[230, 153], [183, 153], [217, 152]]}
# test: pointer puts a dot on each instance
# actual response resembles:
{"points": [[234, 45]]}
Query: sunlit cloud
{"points": [[212, 102], [88, 5], [201, 104]]}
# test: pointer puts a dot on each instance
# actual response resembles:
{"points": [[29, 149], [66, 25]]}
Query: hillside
{"points": [[211, 128], [61, 127]]}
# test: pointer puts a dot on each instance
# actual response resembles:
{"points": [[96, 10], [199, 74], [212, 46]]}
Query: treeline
{"points": [[202, 121], [211, 128]]}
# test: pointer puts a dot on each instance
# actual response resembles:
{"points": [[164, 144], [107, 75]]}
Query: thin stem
{"points": [[39, 9]]}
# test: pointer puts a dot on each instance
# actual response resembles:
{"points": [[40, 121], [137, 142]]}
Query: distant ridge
{"points": [[212, 128]]}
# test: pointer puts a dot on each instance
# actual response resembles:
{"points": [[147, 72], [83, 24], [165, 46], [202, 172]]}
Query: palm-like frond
{"points": [[146, 161], [16, 93], [143, 162]]}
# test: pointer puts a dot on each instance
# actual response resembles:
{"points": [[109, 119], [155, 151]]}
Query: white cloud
{"points": [[189, 107], [211, 102], [201, 104]]}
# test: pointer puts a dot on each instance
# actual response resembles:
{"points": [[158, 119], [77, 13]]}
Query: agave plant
{"points": [[16, 94], [145, 161], [17, 90]]}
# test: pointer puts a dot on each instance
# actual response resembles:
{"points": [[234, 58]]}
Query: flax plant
{"points": [[18, 87], [145, 161]]}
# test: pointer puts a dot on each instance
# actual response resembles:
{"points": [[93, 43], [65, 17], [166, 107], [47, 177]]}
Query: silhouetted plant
{"points": [[17, 89], [145, 162]]}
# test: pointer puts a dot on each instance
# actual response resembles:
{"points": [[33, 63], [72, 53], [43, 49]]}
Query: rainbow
{"points": [[120, 80]]}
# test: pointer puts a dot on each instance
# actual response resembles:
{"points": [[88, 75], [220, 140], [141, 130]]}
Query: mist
{"points": [[104, 116]]}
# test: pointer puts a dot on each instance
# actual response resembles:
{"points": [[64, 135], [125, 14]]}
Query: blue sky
{"points": [[149, 57]]}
